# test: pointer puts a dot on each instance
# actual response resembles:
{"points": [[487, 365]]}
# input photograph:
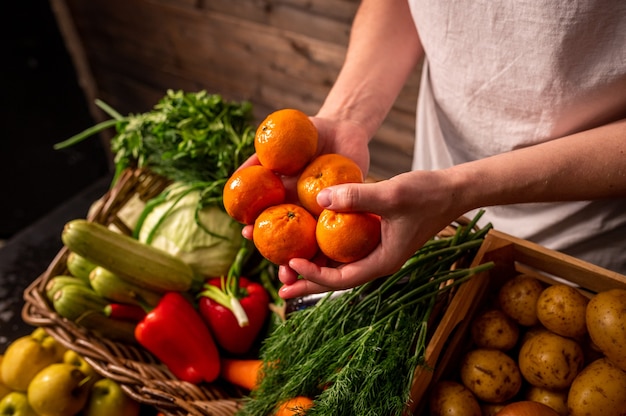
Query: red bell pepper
{"points": [[125, 311], [176, 334], [235, 323], [235, 309]]}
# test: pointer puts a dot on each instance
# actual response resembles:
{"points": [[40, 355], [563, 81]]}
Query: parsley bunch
{"points": [[187, 137]]}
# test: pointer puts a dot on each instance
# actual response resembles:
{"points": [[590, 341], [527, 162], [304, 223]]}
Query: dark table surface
{"points": [[28, 253]]}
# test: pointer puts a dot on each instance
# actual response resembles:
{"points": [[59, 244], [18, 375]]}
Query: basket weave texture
{"points": [[141, 375]]}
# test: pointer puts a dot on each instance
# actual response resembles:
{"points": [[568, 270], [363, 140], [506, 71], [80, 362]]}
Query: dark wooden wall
{"points": [[274, 53]]}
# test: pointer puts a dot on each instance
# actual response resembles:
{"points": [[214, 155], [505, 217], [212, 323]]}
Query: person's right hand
{"points": [[334, 136], [345, 138]]}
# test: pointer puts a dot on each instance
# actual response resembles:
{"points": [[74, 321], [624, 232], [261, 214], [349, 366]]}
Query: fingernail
{"points": [[283, 292], [324, 198]]}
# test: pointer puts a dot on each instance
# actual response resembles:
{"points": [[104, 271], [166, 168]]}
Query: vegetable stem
{"points": [[77, 138]]}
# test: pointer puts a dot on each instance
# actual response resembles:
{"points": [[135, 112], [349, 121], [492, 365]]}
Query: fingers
{"points": [[252, 160], [290, 183], [301, 288], [320, 279], [353, 197], [295, 287], [246, 232], [287, 275]]}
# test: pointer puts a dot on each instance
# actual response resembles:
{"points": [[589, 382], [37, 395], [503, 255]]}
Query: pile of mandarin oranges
{"points": [[286, 144]]}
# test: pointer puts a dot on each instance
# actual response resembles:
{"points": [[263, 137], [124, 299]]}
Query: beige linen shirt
{"points": [[502, 75]]}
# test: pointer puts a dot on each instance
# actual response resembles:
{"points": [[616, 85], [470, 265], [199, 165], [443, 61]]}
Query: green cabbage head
{"points": [[205, 237]]}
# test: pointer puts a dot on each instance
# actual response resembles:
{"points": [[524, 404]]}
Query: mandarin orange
{"points": [[347, 236], [250, 190], [286, 141], [295, 406], [324, 171], [285, 231]]}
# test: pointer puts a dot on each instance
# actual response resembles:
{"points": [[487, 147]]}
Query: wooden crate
{"points": [[511, 256]]}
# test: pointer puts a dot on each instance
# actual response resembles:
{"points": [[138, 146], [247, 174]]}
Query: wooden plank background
{"points": [[273, 53]]}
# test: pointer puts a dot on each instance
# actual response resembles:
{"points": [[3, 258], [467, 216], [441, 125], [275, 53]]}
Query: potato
{"points": [[527, 408], [453, 399], [591, 350], [561, 309], [555, 399], [494, 329], [491, 375], [599, 389], [606, 323], [531, 332], [550, 361], [518, 299], [491, 409]]}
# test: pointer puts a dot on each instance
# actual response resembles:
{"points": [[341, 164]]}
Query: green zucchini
{"points": [[112, 329], [130, 259], [112, 287], [58, 282], [73, 301], [82, 305], [79, 266]]}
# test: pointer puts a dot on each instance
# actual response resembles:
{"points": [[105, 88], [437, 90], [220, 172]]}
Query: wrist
{"points": [[356, 109], [456, 191]]}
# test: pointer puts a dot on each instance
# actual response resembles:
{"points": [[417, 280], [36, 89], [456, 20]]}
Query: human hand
{"points": [[412, 207], [334, 136]]}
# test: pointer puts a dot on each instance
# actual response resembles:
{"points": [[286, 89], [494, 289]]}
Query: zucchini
{"points": [[108, 328], [130, 259], [112, 287], [73, 301], [58, 282], [79, 266], [82, 305]]}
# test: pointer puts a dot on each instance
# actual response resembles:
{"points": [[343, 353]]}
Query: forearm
{"points": [[384, 48], [584, 166]]}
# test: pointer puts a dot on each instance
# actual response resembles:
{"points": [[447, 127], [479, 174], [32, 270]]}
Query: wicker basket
{"points": [[141, 375]]}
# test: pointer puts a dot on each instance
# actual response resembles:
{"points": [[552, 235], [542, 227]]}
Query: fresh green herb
{"points": [[187, 137], [196, 140], [355, 354]]}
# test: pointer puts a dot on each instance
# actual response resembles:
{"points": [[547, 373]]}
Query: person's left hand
{"points": [[413, 207]]}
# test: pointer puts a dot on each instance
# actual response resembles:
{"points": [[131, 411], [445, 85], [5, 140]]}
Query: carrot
{"points": [[242, 373], [295, 406]]}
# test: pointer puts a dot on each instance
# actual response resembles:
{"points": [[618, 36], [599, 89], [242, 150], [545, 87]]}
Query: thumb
{"points": [[349, 197]]}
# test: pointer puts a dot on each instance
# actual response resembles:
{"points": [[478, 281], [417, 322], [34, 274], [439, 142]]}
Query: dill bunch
{"points": [[355, 354]]}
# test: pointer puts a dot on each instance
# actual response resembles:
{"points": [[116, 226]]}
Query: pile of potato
{"points": [[539, 343]]}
